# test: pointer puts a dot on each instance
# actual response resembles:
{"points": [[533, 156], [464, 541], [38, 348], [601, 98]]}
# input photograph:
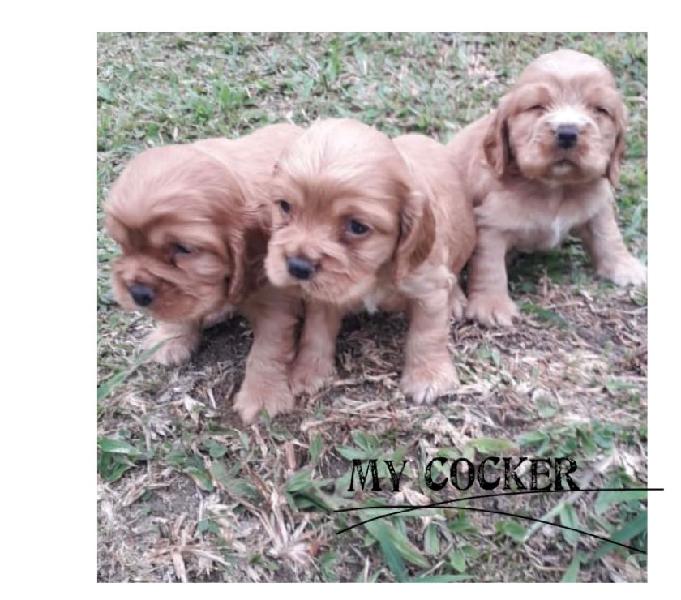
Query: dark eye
{"points": [[178, 248], [356, 228], [602, 111], [537, 107], [285, 206]]}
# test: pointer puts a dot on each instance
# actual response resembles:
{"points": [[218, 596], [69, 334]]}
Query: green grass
{"points": [[185, 491]]}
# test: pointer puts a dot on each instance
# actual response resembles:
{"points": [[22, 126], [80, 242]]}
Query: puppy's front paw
{"points": [[427, 381], [248, 405], [256, 395], [490, 310], [311, 373], [624, 271], [175, 348]]}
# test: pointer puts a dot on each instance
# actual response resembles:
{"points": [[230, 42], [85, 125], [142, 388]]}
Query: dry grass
{"points": [[195, 496]]}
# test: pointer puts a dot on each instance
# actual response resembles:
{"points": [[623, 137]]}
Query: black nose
{"points": [[299, 267], [566, 136], [142, 295]]}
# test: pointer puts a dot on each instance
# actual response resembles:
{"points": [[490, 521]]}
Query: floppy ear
{"points": [[237, 252], [495, 143], [417, 234], [613, 169]]}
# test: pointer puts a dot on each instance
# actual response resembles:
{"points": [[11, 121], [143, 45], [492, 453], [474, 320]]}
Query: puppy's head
{"points": [[563, 121], [176, 214], [344, 211]]}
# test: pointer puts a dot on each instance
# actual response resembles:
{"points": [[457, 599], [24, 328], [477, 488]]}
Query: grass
{"points": [[186, 493]]}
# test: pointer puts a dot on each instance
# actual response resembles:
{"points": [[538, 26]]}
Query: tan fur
{"points": [[421, 233], [528, 193], [192, 222]]}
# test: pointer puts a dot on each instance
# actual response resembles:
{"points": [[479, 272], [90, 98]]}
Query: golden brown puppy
{"points": [[541, 165], [193, 222], [361, 220]]}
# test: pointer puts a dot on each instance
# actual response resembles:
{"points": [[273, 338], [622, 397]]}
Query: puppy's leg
{"points": [[265, 382], [178, 341], [488, 299], [604, 243], [429, 371], [315, 363], [457, 302]]}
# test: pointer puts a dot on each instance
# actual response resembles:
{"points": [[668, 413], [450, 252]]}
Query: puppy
{"points": [[540, 166], [193, 222], [361, 220]]}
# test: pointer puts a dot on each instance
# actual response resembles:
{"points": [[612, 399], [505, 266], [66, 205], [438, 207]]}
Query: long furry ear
{"points": [[495, 143], [417, 234], [237, 250], [613, 169]]}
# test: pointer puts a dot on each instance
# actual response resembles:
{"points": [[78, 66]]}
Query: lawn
{"points": [[185, 492]]}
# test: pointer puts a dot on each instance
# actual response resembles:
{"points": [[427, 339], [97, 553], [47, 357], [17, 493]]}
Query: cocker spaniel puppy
{"points": [[193, 222], [544, 164], [360, 220]]}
